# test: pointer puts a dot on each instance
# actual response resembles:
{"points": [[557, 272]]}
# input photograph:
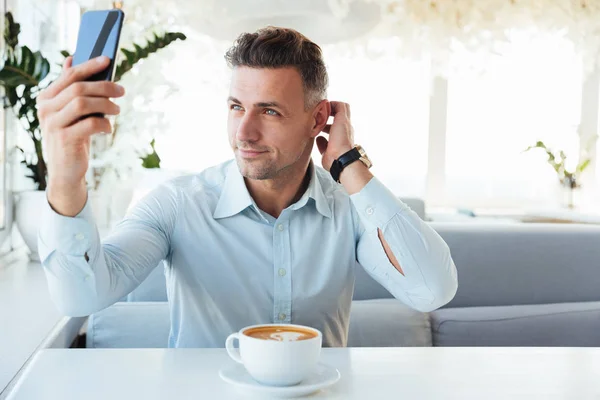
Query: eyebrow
{"points": [[262, 104]]}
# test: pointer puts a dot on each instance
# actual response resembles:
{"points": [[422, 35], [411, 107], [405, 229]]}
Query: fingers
{"points": [[87, 127], [68, 62], [80, 107], [74, 74], [80, 89], [322, 144], [340, 108]]}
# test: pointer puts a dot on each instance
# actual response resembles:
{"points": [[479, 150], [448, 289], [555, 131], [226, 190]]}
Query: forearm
{"points": [[355, 177], [77, 287], [72, 258], [85, 275], [427, 278], [67, 200]]}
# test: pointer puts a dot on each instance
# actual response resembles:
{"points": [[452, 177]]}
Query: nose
{"points": [[247, 129]]}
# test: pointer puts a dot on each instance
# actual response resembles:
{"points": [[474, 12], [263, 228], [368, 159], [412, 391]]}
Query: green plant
{"points": [[557, 159], [23, 72], [152, 160]]}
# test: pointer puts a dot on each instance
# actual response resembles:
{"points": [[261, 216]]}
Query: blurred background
{"points": [[446, 98]]}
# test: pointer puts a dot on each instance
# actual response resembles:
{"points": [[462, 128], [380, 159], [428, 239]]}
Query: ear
{"points": [[319, 117]]}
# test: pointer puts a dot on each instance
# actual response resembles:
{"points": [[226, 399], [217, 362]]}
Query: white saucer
{"points": [[323, 377]]}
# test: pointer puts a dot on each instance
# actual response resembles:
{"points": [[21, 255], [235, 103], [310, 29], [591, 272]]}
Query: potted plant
{"points": [[569, 179], [23, 75]]}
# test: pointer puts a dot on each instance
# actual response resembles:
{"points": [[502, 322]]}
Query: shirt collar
{"points": [[235, 197], [315, 192]]}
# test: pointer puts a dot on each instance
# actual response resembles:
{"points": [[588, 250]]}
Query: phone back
{"points": [[99, 34]]}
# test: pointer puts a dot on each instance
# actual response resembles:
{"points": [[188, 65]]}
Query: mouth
{"points": [[250, 153]]}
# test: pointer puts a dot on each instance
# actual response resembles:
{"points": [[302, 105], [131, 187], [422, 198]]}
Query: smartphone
{"points": [[99, 33]]}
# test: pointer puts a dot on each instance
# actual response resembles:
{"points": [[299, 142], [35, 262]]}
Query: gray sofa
{"points": [[519, 285]]}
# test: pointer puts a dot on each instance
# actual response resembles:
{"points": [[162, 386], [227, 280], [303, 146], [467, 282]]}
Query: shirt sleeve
{"points": [[114, 266], [430, 278]]}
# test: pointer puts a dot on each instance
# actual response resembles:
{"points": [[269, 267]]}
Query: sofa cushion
{"points": [[387, 323], [567, 324], [130, 325]]}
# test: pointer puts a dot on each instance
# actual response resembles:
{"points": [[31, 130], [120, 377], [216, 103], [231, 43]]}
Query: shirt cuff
{"points": [[67, 235], [376, 205]]}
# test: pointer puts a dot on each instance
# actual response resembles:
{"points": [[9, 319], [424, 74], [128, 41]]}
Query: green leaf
{"points": [[10, 97], [563, 156], [582, 166], [151, 160], [538, 145], [129, 55], [139, 52], [23, 67], [11, 31]]}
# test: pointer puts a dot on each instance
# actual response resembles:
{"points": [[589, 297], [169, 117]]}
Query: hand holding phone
{"points": [[73, 107]]}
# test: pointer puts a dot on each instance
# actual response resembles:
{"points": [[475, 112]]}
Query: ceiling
{"points": [[323, 21]]}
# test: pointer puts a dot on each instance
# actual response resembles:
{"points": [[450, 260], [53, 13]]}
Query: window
{"points": [[43, 28], [533, 93], [389, 99]]}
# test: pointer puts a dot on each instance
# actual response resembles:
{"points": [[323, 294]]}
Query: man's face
{"points": [[269, 129]]}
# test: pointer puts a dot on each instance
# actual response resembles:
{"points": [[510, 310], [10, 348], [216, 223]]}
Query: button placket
{"points": [[282, 301]]}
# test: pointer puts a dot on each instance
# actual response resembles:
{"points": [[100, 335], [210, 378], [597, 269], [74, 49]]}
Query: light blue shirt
{"points": [[230, 265]]}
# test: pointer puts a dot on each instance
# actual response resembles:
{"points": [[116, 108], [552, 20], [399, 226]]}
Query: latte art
{"points": [[287, 336], [280, 333]]}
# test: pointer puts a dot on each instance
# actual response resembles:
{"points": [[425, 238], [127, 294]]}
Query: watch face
{"points": [[363, 156]]}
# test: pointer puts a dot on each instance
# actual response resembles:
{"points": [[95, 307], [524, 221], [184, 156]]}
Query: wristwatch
{"points": [[357, 153]]}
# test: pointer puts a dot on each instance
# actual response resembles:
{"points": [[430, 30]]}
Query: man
{"points": [[267, 238]]}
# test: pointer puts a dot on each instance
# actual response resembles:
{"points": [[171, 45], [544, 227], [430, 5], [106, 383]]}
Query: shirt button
{"points": [[280, 227], [370, 210], [282, 316], [87, 278], [282, 272], [80, 236]]}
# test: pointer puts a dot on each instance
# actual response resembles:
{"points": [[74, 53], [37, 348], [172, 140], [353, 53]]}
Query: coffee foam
{"points": [[287, 336], [280, 333]]}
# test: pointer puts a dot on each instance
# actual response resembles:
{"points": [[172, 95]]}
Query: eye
{"points": [[235, 107], [272, 112]]}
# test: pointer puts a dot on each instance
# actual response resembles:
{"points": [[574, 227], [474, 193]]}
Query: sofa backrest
{"points": [[524, 263], [510, 264]]}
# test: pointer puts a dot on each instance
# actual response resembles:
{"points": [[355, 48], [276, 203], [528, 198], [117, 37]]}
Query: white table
{"points": [[367, 373], [28, 318]]}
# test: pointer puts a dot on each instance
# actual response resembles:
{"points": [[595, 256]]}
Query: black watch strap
{"points": [[342, 162]]}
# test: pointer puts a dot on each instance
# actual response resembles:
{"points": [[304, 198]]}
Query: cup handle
{"points": [[232, 351]]}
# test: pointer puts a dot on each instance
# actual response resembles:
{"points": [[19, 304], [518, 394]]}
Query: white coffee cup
{"points": [[280, 361]]}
